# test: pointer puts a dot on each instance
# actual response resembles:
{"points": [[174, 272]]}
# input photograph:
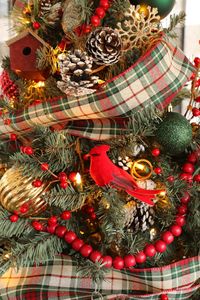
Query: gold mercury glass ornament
{"points": [[17, 190]]}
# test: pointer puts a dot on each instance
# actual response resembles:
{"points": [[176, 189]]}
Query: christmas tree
{"points": [[95, 163]]}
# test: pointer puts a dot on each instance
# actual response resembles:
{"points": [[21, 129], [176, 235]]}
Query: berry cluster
{"points": [[188, 168], [9, 88]]}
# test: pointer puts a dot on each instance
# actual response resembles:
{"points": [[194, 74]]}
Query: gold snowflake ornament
{"points": [[139, 30]]}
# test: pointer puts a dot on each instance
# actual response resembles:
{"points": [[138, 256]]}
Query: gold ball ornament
{"points": [[16, 191]]}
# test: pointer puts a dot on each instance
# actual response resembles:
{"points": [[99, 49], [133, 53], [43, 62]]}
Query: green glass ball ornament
{"points": [[164, 6], [174, 133]]}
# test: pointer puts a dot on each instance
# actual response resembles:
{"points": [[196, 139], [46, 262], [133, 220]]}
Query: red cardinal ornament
{"points": [[104, 172]]}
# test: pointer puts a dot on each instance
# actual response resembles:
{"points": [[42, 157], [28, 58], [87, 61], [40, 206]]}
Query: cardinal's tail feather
{"points": [[142, 197]]}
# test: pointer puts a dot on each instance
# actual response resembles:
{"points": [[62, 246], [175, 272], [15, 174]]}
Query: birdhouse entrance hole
{"points": [[27, 51]]}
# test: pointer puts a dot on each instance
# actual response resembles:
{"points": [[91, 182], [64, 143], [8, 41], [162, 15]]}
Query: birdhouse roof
{"points": [[24, 34]]}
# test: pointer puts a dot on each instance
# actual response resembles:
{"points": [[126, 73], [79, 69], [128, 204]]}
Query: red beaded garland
{"points": [[186, 198], [85, 250], [160, 246], [182, 209], [95, 256], [158, 170], [167, 237], [129, 261], [100, 12], [180, 220], [192, 158], [62, 176], [63, 184], [72, 176], [23, 209], [197, 61], [51, 228], [60, 231], [171, 179], [197, 178], [140, 257], [107, 261], [104, 3], [77, 244], [70, 236], [150, 250], [28, 150], [118, 263], [52, 220], [176, 230], [95, 21], [195, 112]]}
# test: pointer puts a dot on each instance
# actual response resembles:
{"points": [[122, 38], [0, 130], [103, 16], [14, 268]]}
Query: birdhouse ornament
{"points": [[25, 45]]}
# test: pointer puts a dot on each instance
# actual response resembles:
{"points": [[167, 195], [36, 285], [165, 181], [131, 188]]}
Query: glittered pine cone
{"points": [[17, 190], [104, 45]]}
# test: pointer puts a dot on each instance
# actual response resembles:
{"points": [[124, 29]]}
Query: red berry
{"points": [[158, 170], [170, 179], [93, 216], [87, 29], [36, 25], [180, 220], [118, 263], [100, 12], [7, 122], [197, 99], [89, 209], [129, 261], [28, 150], [107, 261], [23, 209], [52, 220], [70, 236], [188, 168], [72, 176], [155, 152], [14, 218], [60, 231], [65, 215], [63, 185], [13, 137], [167, 237], [164, 297], [140, 257], [37, 183], [150, 250], [62, 176], [195, 112], [77, 244], [197, 61], [86, 250], [44, 166], [160, 246], [197, 178], [95, 256], [176, 230], [95, 21], [182, 209], [192, 158], [104, 4], [51, 228], [37, 225], [186, 198]]}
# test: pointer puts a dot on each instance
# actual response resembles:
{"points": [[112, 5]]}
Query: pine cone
{"points": [[139, 216], [104, 45], [76, 69], [45, 6]]}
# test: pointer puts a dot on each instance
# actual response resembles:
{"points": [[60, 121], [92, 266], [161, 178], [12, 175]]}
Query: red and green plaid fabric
{"points": [[58, 279], [153, 81]]}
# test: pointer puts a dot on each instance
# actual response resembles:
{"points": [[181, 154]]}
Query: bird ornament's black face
{"points": [[99, 150], [95, 154]]}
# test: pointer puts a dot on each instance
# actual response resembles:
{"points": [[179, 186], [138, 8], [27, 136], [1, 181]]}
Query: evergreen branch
{"points": [[174, 21], [68, 199], [46, 59]]}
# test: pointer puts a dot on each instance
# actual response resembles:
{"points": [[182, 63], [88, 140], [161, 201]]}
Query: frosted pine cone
{"points": [[76, 69], [104, 45]]}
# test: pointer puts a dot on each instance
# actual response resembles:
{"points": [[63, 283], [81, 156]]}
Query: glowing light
{"points": [[39, 84], [162, 194], [78, 178]]}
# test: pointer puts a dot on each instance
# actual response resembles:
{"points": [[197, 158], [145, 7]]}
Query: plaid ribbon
{"points": [[153, 81], [58, 279]]}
